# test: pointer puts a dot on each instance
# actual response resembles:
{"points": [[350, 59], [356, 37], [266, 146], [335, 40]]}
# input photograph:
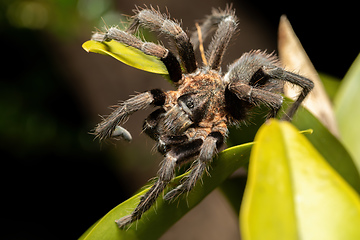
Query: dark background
{"points": [[56, 181]]}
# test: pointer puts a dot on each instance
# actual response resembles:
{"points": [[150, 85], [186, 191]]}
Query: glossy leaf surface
{"points": [[293, 193]]}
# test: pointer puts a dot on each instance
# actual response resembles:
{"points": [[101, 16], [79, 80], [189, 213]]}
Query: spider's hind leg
{"points": [[306, 84], [208, 149], [256, 96], [173, 158]]}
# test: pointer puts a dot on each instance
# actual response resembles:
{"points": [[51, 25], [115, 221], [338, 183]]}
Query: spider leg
{"points": [[306, 84], [154, 20], [256, 96], [149, 48], [122, 133], [106, 128], [208, 149], [166, 173], [209, 24], [226, 29]]}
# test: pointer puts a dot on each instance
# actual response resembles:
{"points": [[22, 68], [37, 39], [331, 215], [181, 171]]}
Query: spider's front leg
{"points": [[154, 20], [208, 149], [173, 158], [106, 129]]}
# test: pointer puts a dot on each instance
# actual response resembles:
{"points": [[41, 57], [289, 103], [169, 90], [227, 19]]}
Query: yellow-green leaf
{"points": [[163, 214], [128, 55], [347, 110], [293, 193]]}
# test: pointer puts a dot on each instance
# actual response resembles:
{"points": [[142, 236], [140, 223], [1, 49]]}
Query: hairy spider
{"points": [[191, 122]]}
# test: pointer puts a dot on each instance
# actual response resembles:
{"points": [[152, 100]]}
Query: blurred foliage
{"points": [[63, 18], [49, 159], [39, 112], [347, 110], [331, 84]]}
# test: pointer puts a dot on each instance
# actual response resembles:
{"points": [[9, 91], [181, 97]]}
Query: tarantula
{"points": [[191, 122]]}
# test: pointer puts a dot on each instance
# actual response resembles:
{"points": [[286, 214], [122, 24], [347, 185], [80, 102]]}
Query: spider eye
{"points": [[190, 103], [194, 105], [186, 103]]}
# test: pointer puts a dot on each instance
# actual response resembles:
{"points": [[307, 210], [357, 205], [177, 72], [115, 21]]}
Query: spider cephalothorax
{"points": [[190, 123]]}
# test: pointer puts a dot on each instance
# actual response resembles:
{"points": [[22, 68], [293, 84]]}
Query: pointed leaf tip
{"points": [[294, 58]]}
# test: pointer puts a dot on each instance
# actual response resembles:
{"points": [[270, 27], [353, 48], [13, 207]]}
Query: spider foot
{"points": [[174, 193], [121, 133], [124, 221]]}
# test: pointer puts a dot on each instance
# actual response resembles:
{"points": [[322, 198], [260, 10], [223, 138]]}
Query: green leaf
{"points": [[347, 110], [329, 147], [293, 193], [233, 189], [331, 84], [158, 219], [128, 55]]}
